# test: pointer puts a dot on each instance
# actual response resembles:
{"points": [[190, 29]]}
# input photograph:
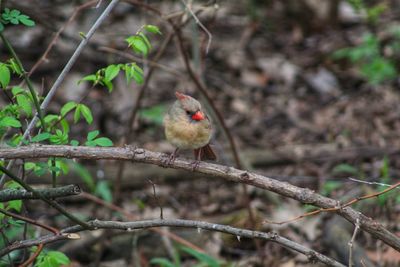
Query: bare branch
{"points": [[62, 191], [129, 226], [132, 154]]}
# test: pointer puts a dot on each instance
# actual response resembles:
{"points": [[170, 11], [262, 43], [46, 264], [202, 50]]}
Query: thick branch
{"points": [[130, 226], [302, 195], [62, 191]]}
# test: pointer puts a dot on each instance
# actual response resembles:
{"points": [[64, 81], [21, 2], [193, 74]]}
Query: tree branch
{"points": [[62, 191], [129, 153], [130, 226]]}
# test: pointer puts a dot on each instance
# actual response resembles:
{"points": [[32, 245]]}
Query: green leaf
{"points": [[14, 66], [84, 174], [154, 114], [16, 90], [77, 114], [103, 141], [109, 85], [162, 262], [9, 122], [138, 44], [329, 186], [87, 114], [201, 257], [111, 72], [59, 257], [4, 75], [50, 118], [137, 74], [67, 108], [103, 190], [345, 169], [29, 166], [40, 137], [152, 29], [25, 104], [146, 40], [15, 205], [24, 19], [92, 135], [90, 78], [1, 27], [74, 142]]}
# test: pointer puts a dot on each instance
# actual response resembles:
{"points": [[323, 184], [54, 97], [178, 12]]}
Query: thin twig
{"points": [[156, 198], [129, 226], [351, 242], [33, 257], [29, 220], [130, 216], [338, 207], [129, 153], [367, 182], [200, 24], [43, 58]]}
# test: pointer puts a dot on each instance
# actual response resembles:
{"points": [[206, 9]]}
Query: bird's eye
{"points": [[188, 112]]}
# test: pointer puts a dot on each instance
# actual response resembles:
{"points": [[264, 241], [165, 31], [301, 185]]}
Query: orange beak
{"points": [[198, 116]]}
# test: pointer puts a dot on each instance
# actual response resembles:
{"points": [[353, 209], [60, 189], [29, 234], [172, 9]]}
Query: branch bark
{"points": [[132, 154], [62, 191], [131, 226]]}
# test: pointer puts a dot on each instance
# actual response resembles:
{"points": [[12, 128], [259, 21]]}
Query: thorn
{"points": [[238, 237], [198, 230]]}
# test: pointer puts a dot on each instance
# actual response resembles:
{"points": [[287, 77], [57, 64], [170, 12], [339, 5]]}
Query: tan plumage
{"points": [[188, 127]]}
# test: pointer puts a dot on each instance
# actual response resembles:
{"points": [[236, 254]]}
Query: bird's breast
{"points": [[185, 134]]}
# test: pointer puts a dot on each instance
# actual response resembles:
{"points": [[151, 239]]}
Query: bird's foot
{"points": [[195, 165]]}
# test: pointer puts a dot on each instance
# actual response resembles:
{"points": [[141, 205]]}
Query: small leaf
{"points": [[103, 141], [90, 78], [137, 44], [17, 90], [40, 137], [9, 122], [59, 257], [111, 72], [145, 39], [67, 108], [77, 114], [4, 75], [26, 20], [1, 27], [74, 142], [92, 135], [345, 168], [24, 103], [15, 67], [162, 262], [15, 205], [87, 114], [103, 190], [152, 29]]}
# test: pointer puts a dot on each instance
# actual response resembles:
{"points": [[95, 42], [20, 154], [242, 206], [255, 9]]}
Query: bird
{"points": [[187, 126]]}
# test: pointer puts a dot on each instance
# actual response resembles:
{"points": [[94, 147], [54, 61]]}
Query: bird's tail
{"points": [[205, 152]]}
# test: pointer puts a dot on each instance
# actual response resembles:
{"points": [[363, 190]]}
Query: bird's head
{"points": [[190, 106]]}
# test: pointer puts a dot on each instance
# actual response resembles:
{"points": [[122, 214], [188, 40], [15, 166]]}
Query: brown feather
{"points": [[205, 153]]}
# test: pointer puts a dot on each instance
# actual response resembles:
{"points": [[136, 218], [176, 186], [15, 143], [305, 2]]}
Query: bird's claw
{"points": [[195, 165]]}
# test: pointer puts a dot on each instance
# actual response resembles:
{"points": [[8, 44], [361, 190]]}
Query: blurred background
{"points": [[309, 90]]}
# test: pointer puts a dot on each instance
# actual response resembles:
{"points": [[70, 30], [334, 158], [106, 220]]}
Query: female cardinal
{"points": [[188, 127]]}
